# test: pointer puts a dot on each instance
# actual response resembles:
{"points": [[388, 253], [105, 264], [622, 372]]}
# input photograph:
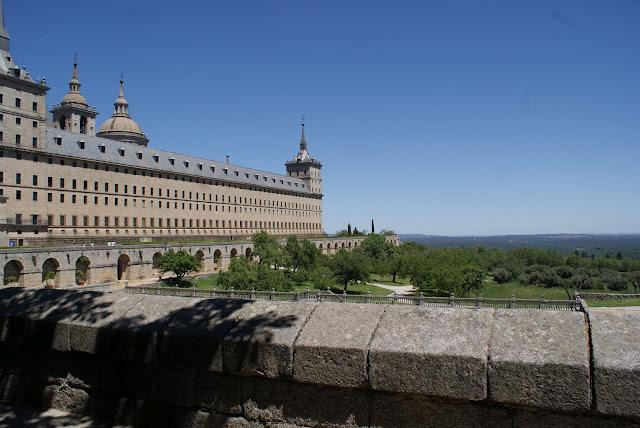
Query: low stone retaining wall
{"points": [[168, 361], [608, 296]]}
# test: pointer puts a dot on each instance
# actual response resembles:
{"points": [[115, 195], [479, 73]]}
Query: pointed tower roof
{"points": [[120, 126], [74, 96], [4, 35], [303, 154]]}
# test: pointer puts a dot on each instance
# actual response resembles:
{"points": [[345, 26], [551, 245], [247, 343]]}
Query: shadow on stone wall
{"points": [[118, 356]]}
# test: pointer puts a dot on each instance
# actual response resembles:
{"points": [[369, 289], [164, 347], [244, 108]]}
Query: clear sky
{"points": [[439, 117]]}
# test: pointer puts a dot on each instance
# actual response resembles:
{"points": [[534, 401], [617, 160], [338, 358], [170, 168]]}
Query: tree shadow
{"points": [[120, 356]]}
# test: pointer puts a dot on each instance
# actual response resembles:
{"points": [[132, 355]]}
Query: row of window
{"points": [[34, 124], [106, 221], [18, 139], [143, 173], [152, 204], [187, 164], [143, 191], [18, 103]]}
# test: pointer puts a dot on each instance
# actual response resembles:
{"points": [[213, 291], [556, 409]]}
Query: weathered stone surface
{"points": [[332, 347], [239, 422], [195, 419], [90, 329], [261, 341], [273, 401], [74, 369], [540, 359], [64, 397], [433, 351], [193, 336], [174, 387], [414, 411], [219, 393], [616, 359], [546, 419], [134, 337]]}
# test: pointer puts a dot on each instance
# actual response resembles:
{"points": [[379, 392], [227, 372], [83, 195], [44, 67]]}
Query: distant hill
{"points": [[598, 245]]}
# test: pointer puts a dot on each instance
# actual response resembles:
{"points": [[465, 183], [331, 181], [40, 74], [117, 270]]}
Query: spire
{"points": [[303, 140], [4, 35], [121, 105], [74, 96]]}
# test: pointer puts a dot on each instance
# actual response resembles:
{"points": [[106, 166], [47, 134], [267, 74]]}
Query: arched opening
{"points": [[349, 244], [155, 260], [343, 245], [50, 272], [233, 253], [335, 246], [12, 274], [123, 267], [217, 259], [83, 124], [83, 271], [248, 254], [200, 258], [63, 122]]}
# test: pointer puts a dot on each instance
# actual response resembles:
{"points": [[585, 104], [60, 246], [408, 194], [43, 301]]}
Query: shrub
{"points": [[564, 272], [501, 275], [50, 275], [614, 281], [10, 279]]}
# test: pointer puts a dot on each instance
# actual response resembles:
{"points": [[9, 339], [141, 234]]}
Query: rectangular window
{"points": [[18, 102], [34, 142], [49, 197], [18, 121], [35, 196], [62, 183], [34, 106], [74, 220], [85, 220], [18, 178], [63, 220], [18, 139], [61, 197], [74, 183], [96, 221]]}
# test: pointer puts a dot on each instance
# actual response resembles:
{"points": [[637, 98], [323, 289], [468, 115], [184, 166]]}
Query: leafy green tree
{"points": [[241, 275], [615, 281], [180, 263], [322, 277], [266, 247], [271, 279], [350, 267], [302, 254], [501, 275], [378, 250], [634, 278]]}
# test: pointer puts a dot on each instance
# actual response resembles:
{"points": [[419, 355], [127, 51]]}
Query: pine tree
{"points": [[373, 227], [349, 228]]}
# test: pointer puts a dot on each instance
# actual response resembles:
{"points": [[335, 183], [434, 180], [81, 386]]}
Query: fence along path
{"points": [[328, 296]]}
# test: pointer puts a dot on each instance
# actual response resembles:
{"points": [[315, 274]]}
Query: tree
{"points": [[180, 263], [634, 278], [373, 227], [501, 275], [349, 228], [241, 275], [350, 267], [301, 254], [614, 281], [322, 277], [378, 250], [266, 247]]}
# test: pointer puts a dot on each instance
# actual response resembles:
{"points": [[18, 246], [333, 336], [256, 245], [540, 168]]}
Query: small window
{"points": [[102, 148], [226, 170], [18, 139], [18, 102], [81, 144], [34, 142], [156, 158], [212, 168], [200, 166], [34, 106], [186, 164], [236, 172], [18, 121], [34, 124], [172, 161], [139, 155], [121, 151]]}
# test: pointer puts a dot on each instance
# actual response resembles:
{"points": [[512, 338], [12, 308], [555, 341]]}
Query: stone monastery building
{"points": [[63, 177]]}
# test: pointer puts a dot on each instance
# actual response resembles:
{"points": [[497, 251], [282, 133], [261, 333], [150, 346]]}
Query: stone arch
{"points": [[13, 271], [51, 267], [343, 245], [233, 253], [320, 247], [83, 270], [200, 258], [217, 259], [335, 246], [155, 260], [248, 253], [123, 267], [349, 244]]}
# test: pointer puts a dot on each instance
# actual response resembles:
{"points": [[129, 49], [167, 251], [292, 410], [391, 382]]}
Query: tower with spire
{"points": [[73, 113], [306, 167], [120, 126]]}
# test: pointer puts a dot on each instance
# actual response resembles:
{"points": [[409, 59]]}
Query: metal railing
{"points": [[328, 296]]}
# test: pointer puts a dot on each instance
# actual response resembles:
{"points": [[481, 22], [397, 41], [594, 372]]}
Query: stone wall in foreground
{"points": [[168, 361]]}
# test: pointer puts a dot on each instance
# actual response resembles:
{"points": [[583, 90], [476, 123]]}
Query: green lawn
{"points": [[388, 279], [613, 303]]}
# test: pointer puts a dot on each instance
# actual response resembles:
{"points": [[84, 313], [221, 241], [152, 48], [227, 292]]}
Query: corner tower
{"points": [[120, 126], [306, 167], [73, 113]]}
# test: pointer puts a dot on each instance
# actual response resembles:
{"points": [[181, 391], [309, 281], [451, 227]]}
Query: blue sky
{"points": [[438, 117]]}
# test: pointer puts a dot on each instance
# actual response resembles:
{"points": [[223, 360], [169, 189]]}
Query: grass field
{"points": [[613, 303], [388, 279]]}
